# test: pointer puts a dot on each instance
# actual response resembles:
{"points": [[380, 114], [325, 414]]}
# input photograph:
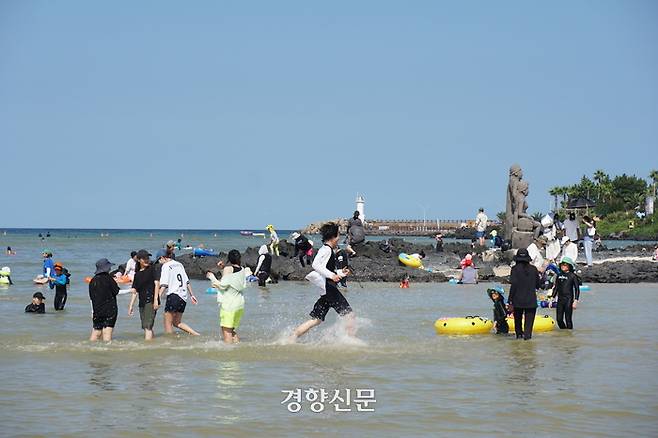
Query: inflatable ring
{"points": [[585, 288], [543, 323], [468, 325], [407, 260], [4, 280], [211, 290], [453, 281], [202, 252]]}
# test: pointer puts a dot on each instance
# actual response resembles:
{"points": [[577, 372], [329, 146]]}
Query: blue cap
{"points": [[160, 253]]}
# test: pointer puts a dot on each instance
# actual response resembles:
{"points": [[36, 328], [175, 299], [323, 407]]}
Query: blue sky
{"points": [[225, 114]]}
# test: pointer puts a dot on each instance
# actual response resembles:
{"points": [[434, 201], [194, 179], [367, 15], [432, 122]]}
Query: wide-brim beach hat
{"points": [[522, 256], [103, 265], [568, 261]]}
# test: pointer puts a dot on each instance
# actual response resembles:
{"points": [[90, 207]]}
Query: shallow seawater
{"points": [[598, 380]]}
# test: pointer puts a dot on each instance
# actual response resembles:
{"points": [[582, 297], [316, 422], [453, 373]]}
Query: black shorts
{"points": [[175, 304], [331, 299], [103, 321]]}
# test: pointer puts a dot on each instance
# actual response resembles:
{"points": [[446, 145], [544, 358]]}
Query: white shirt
{"points": [[174, 277], [320, 273], [535, 255], [131, 265], [570, 250], [570, 227], [481, 222]]}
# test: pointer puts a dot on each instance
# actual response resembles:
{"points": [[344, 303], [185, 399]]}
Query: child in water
{"points": [[567, 289], [37, 305], [404, 284], [499, 311], [325, 275]]}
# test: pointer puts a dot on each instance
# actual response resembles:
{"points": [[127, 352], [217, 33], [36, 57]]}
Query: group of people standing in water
{"points": [[164, 282]]}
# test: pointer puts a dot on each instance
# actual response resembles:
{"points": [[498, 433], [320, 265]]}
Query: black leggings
{"points": [[262, 278], [60, 300], [526, 331], [564, 310]]}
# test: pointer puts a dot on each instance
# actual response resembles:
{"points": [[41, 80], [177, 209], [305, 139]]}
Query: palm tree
{"points": [[601, 178], [554, 192], [654, 178]]}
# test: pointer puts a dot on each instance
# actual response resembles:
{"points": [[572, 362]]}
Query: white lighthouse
{"points": [[360, 207]]}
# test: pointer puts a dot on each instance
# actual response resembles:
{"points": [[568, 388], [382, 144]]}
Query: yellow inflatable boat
{"points": [[468, 325], [543, 323], [407, 260]]}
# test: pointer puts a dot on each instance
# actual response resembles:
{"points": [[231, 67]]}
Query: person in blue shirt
{"points": [[59, 281], [48, 264]]}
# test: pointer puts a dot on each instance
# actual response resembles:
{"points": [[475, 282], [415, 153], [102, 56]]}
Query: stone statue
{"points": [[515, 175], [519, 225]]}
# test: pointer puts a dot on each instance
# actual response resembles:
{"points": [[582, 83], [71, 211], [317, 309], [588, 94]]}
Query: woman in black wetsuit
{"points": [[567, 289]]}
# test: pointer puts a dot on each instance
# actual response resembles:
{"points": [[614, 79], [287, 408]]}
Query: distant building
{"points": [[360, 207]]}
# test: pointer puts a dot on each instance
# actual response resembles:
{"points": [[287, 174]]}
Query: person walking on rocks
{"points": [[525, 281], [569, 249], [480, 226], [570, 227], [274, 240], [588, 238], [356, 234]]}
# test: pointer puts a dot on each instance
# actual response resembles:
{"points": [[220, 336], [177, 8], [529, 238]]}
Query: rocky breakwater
{"points": [[374, 262]]}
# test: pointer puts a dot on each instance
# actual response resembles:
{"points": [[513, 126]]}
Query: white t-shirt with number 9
{"points": [[174, 277]]}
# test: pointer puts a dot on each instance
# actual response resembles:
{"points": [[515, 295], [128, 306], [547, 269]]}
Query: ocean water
{"points": [[598, 380]]}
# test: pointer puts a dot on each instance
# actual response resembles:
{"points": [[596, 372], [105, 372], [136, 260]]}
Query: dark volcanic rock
{"points": [[374, 264], [621, 272]]}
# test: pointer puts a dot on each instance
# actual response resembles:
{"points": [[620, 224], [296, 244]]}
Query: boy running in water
{"points": [[324, 276]]}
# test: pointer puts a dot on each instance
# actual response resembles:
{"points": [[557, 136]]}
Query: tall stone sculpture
{"points": [[515, 176], [520, 227]]}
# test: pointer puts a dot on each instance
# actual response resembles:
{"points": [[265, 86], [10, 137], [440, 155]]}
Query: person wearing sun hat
{"points": [[569, 248], [48, 264], [103, 291], [567, 289], [58, 281], [525, 281]]}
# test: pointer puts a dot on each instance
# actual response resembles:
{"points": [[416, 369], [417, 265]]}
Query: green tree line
{"points": [[611, 194]]}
